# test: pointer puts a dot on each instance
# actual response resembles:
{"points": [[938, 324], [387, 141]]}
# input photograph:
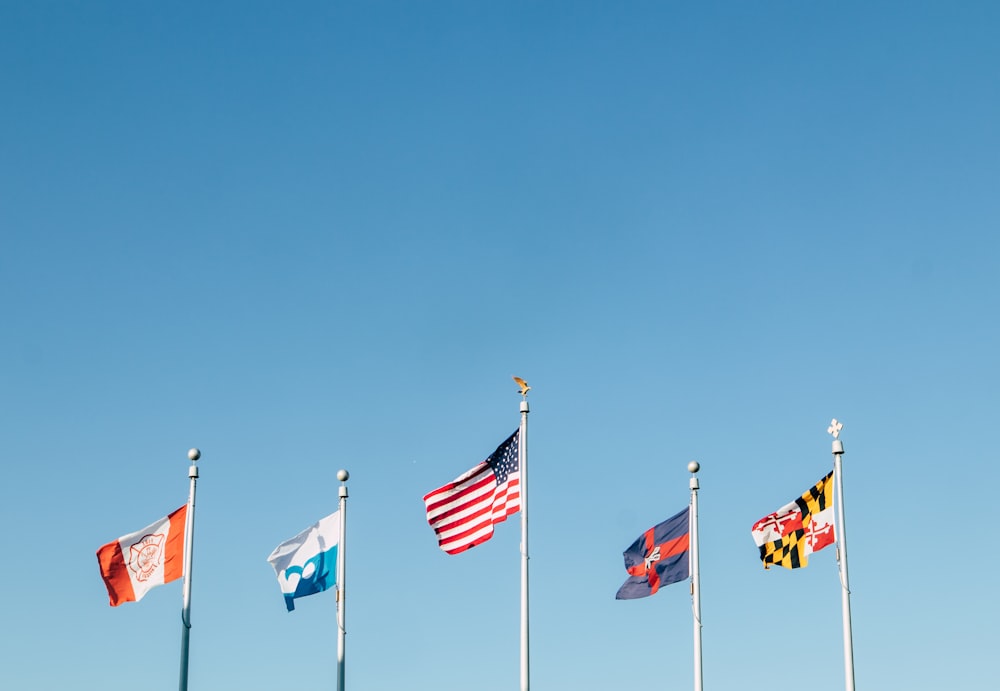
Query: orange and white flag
{"points": [[135, 563]]}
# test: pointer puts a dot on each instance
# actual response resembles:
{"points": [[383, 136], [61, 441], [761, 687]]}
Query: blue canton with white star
{"points": [[503, 461]]}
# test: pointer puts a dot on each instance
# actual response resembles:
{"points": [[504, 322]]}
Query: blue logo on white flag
{"points": [[307, 564], [318, 574]]}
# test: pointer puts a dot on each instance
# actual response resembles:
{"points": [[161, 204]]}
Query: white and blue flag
{"points": [[307, 564]]}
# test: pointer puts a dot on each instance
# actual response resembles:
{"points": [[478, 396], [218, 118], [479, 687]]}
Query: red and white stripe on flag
{"points": [[464, 511], [135, 563]]}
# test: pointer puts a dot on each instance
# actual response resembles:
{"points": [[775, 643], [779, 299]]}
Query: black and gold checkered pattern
{"points": [[789, 551]]}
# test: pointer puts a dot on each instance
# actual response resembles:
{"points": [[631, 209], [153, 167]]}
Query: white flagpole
{"points": [[845, 587], [194, 455], [342, 475], [522, 464], [694, 467]]}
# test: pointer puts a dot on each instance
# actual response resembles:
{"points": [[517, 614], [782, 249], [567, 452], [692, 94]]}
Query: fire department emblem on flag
{"points": [[145, 556], [135, 563]]}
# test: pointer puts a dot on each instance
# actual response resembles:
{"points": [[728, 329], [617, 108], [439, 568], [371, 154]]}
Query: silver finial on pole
{"points": [[194, 454], [834, 429]]}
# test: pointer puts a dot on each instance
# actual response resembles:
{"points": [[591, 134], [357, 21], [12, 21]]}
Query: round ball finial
{"points": [[194, 454], [342, 475], [694, 467]]}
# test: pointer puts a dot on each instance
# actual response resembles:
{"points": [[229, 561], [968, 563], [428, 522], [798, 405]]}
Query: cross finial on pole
{"points": [[835, 428]]}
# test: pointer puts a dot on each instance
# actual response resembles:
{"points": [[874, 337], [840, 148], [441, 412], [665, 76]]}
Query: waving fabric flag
{"points": [[464, 511], [307, 564], [658, 557], [789, 535], [135, 563]]}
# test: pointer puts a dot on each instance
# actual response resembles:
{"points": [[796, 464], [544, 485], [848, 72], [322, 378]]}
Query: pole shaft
{"points": [[341, 589], [845, 587], [522, 450], [696, 585], [188, 562]]}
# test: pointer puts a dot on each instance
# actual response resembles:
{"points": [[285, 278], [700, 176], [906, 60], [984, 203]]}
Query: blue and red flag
{"points": [[659, 557]]}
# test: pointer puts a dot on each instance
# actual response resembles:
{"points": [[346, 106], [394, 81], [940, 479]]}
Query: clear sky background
{"points": [[319, 235]]}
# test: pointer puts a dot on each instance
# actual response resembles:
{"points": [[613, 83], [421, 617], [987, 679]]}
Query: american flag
{"points": [[464, 511]]}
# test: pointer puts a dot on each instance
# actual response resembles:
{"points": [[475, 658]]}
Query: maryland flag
{"points": [[789, 535]]}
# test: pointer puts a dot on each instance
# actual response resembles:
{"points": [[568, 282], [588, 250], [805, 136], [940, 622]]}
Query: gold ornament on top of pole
{"points": [[523, 385]]}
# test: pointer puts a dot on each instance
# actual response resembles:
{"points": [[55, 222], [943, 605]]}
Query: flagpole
{"points": [[342, 475], [522, 464], [845, 587], [193, 455], [694, 467]]}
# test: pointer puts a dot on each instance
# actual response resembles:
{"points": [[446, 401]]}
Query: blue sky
{"points": [[324, 236]]}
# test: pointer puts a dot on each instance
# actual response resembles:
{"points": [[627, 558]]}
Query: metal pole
{"points": [[342, 475], [194, 455], [694, 467], [522, 464], [845, 587]]}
